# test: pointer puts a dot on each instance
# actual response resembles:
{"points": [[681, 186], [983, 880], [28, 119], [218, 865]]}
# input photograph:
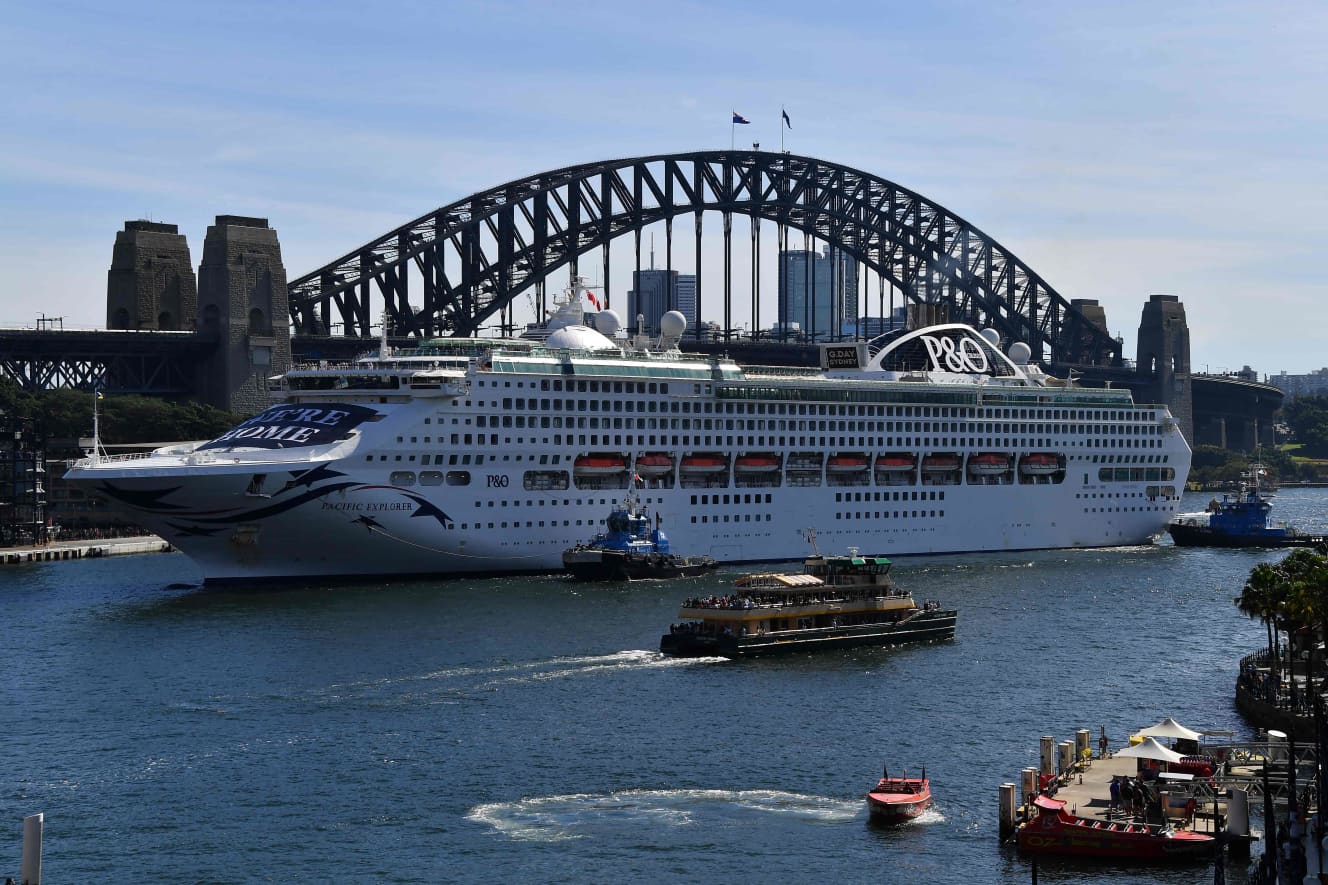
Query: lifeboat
{"points": [[654, 464], [599, 464], [1039, 463], [898, 462], [943, 462], [704, 462], [988, 463], [756, 462], [846, 462]]}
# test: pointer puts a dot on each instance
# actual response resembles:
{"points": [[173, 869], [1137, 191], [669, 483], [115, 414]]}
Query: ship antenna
{"points": [[382, 339]]}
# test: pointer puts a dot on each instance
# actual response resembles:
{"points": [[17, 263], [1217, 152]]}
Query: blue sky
{"points": [[1119, 149]]}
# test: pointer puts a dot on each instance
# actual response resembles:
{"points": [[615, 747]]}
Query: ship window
{"points": [[431, 478], [459, 478], [402, 478]]}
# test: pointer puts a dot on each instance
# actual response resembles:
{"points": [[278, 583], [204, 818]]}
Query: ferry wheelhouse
{"points": [[486, 455]]}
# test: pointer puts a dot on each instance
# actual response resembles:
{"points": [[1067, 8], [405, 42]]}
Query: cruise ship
{"points": [[473, 456]]}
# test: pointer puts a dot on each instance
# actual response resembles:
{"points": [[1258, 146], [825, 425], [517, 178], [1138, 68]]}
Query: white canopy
{"points": [[1170, 728], [1151, 749]]}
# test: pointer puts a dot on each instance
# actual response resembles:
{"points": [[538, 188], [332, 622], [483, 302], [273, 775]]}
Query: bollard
{"points": [[1007, 810], [1029, 779], [1048, 760], [1238, 822], [1081, 744], [1066, 757], [32, 847]]}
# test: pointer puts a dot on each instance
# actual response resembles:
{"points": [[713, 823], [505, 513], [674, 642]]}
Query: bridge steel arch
{"points": [[476, 255]]}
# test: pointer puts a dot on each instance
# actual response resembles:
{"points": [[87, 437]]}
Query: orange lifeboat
{"points": [[704, 462], [654, 464], [599, 464], [1039, 463], [846, 462], [942, 462], [756, 462], [988, 463], [895, 462]]}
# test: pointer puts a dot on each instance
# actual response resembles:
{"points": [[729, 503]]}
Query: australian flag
{"points": [[739, 118], [787, 122]]}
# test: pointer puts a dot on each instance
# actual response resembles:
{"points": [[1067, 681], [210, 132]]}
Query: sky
{"points": [[1120, 150]]}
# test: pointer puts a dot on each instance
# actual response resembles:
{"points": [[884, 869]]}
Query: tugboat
{"points": [[898, 799], [1238, 520], [837, 602], [630, 550]]}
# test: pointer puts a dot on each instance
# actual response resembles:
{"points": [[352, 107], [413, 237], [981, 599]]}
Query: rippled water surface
{"points": [[525, 729]]}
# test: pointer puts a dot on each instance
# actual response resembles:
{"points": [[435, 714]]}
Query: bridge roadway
{"points": [[1229, 411], [149, 363]]}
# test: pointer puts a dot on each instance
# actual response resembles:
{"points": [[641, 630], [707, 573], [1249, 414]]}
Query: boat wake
{"points": [[454, 681], [584, 815]]}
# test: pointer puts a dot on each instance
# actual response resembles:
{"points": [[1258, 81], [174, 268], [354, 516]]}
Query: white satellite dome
{"points": [[578, 338], [1020, 353], [673, 324], [991, 336], [607, 322]]}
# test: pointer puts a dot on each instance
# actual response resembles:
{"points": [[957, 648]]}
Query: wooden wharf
{"points": [[59, 550]]}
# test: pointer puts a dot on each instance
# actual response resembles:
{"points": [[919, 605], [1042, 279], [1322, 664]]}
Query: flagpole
{"points": [[781, 128]]}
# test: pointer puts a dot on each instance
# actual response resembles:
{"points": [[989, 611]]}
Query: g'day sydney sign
{"points": [[283, 427]]}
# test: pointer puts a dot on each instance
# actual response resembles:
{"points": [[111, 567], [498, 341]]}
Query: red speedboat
{"points": [[897, 799], [1056, 831]]}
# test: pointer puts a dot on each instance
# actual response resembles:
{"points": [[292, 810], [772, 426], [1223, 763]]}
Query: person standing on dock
{"points": [[1102, 744], [1115, 794]]}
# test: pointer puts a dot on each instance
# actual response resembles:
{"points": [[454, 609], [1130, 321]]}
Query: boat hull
{"points": [[591, 564], [933, 626], [1202, 536], [899, 801], [1089, 841]]}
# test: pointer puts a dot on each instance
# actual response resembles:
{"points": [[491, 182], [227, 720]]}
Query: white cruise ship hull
{"points": [[477, 473]]}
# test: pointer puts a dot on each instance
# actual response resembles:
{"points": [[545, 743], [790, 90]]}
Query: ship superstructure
{"points": [[486, 455]]}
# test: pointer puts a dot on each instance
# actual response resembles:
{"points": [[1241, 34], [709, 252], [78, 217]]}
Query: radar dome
{"points": [[1020, 353], [673, 324], [579, 338], [607, 323], [991, 336]]}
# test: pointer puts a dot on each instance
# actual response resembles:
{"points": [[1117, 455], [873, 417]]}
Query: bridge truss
{"points": [[474, 256], [149, 363]]}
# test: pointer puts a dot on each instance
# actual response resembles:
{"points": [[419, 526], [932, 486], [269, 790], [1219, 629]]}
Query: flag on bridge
{"points": [[739, 118], [783, 113]]}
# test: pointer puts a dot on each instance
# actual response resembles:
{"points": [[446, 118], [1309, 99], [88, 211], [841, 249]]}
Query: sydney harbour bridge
{"points": [[469, 260], [466, 267]]}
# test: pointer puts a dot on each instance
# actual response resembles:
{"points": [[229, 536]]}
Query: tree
{"points": [[1290, 595], [1307, 416]]}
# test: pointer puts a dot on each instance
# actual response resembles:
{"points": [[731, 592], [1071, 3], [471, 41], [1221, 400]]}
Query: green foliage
{"points": [[67, 414], [1307, 416]]}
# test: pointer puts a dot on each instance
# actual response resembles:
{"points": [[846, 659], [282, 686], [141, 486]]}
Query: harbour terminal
{"points": [[411, 467]]}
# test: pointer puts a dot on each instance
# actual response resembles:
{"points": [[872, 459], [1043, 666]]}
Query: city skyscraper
{"points": [[650, 297], [818, 292]]}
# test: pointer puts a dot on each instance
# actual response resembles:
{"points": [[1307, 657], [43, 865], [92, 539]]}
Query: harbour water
{"points": [[525, 729]]}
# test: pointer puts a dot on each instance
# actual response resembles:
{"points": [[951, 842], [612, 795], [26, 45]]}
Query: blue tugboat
{"points": [[1238, 520], [631, 550]]}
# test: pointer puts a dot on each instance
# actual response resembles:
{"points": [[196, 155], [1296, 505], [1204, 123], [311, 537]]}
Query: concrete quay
{"points": [[58, 550]]}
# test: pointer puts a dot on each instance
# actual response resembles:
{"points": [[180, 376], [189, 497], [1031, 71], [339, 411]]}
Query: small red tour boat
{"points": [[897, 799], [1056, 831]]}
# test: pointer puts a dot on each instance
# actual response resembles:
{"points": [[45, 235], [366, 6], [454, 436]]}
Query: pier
{"points": [[58, 550]]}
